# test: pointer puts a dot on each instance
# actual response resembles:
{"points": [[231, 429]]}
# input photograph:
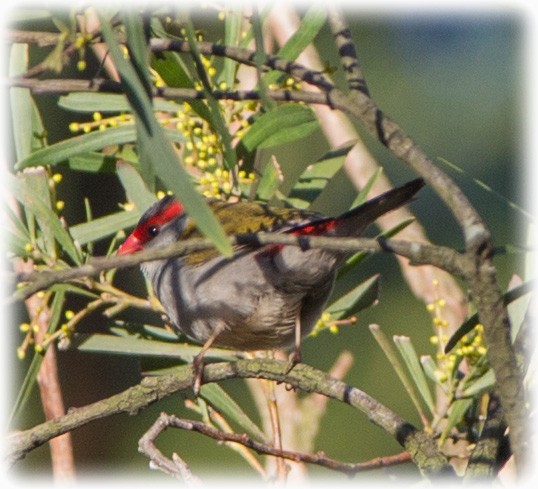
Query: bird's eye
{"points": [[153, 231]]}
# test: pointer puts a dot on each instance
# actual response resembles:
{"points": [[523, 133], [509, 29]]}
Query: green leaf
{"points": [[455, 414], [310, 25], [102, 227], [361, 196], [477, 386], [173, 71], [215, 395], [284, 124], [21, 103], [360, 297], [134, 186], [93, 162], [106, 343], [493, 193], [429, 367], [216, 118], [410, 358], [92, 141], [108, 102], [269, 181], [137, 46], [232, 35], [162, 156], [31, 195], [17, 227], [392, 357], [316, 177], [36, 187]]}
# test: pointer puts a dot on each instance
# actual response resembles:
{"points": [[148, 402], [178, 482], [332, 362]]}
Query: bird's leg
{"points": [[296, 356], [198, 360]]}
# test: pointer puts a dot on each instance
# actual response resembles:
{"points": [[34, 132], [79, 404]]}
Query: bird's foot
{"points": [[293, 360]]}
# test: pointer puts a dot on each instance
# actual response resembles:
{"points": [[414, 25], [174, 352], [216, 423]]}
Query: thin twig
{"points": [[176, 467], [67, 85], [147, 446], [418, 253]]}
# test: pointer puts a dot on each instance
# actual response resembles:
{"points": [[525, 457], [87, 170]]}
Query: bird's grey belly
{"points": [[252, 305]]}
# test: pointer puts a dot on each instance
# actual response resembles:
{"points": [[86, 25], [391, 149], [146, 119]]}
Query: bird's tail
{"points": [[356, 220]]}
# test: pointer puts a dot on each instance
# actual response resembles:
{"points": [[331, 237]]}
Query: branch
{"points": [[101, 85], [348, 55], [478, 271], [147, 446], [418, 254], [422, 448], [484, 461]]}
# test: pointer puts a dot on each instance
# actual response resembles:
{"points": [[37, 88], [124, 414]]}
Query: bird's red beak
{"points": [[130, 245]]}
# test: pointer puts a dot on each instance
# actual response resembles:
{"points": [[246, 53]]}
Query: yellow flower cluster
{"points": [[470, 348], [325, 322], [203, 150], [101, 123], [219, 184]]}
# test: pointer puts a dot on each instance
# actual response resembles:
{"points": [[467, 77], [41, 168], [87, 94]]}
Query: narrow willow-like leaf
{"points": [[455, 414], [282, 125], [137, 46], [410, 358], [232, 35], [269, 181], [162, 157], [360, 297], [316, 177], [106, 343], [310, 25], [18, 229], [134, 186], [215, 395], [38, 201], [103, 227], [70, 288], [429, 367], [392, 357], [216, 118], [21, 103], [484, 186], [361, 196], [108, 102], [92, 141], [484, 383], [173, 71], [31, 198], [93, 162]]}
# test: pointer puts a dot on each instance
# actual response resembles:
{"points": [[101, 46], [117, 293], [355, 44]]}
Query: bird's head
{"points": [[161, 224]]}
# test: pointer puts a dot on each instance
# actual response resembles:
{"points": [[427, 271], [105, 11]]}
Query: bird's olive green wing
{"points": [[245, 218]]}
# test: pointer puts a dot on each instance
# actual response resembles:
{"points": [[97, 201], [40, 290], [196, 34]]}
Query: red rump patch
{"points": [[316, 228]]}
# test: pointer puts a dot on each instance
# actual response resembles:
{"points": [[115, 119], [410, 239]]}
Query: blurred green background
{"points": [[455, 84]]}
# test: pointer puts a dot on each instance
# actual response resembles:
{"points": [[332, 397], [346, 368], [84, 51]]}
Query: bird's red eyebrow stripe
{"points": [[166, 215]]}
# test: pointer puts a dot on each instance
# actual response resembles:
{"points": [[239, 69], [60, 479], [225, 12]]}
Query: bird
{"points": [[262, 297]]}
